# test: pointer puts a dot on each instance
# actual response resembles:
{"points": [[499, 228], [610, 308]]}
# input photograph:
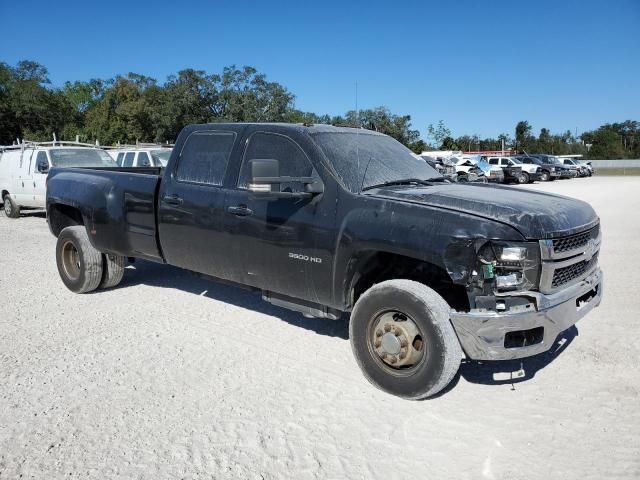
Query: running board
{"points": [[309, 310]]}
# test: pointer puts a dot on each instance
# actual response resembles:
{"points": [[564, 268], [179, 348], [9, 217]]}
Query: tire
{"points": [[462, 178], [435, 348], [524, 178], [545, 176], [11, 210], [79, 263], [112, 270]]}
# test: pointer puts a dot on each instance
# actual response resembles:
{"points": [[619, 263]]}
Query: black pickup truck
{"points": [[343, 223]]}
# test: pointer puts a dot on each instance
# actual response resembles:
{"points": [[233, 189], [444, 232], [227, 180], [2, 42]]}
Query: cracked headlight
{"points": [[511, 265]]}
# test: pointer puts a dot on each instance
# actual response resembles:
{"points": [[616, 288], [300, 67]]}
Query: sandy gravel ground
{"points": [[170, 376]]}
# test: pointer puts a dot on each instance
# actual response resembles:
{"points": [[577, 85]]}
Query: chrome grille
{"points": [[568, 260], [566, 274], [576, 241]]}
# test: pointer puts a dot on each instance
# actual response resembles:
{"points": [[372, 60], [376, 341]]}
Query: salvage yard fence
{"points": [[616, 167]]}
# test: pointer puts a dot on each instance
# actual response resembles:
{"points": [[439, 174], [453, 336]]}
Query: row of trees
{"points": [[136, 107]]}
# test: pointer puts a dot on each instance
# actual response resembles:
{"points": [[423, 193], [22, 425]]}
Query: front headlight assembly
{"points": [[511, 265]]}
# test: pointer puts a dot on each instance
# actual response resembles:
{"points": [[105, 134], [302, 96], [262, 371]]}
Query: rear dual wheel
{"points": [[402, 339], [82, 268]]}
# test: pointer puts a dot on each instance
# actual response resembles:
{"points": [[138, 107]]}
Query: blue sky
{"points": [[479, 66]]}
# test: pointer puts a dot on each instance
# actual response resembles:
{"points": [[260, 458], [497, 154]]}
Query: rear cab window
{"points": [[204, 157]]}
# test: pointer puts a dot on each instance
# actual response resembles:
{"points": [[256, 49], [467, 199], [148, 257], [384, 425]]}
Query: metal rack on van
{"points": [[22, 144], [138, 145]]}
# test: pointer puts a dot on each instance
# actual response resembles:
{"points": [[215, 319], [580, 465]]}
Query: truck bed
{"points": [[119, 208]]}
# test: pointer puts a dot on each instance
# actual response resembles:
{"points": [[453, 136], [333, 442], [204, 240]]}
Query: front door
{"points": [[39, 179], [276, 241], [191, 205]]}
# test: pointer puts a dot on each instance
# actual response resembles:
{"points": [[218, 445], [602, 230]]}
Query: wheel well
{"points": [[62, 216], [4, 194], [380, 266]]}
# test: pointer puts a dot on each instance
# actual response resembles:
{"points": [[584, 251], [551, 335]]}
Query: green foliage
{"points": [[438, 134], [382, 120], [614, 140]]}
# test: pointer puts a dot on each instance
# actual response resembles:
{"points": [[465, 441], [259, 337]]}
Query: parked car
{"points": [[24, 169], [514, 171], [333, 221], [548, 171], [470, 170], [141, 156], [588, 166], [565, 171], [582, 169], [445, 168]]}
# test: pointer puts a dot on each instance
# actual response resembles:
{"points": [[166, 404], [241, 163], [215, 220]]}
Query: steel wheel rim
{"points": [[7, 206], [396, 343], [71, 260]]}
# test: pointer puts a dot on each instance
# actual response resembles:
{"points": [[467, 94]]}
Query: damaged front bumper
{"points": [[490, 335]]}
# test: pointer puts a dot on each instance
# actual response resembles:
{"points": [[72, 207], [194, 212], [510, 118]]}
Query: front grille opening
{"points": [[576, 241], [566, 274], [524, 338]]}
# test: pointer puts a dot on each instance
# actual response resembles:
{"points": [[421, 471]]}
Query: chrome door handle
{"points": [[172, 199], [240, 210]]}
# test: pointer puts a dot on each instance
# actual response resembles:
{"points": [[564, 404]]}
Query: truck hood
{"points": [[535, 215]]}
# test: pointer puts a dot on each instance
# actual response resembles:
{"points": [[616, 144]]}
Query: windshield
{"points": [[161, 157], [515, 160], [80, 157], [362, 159]]}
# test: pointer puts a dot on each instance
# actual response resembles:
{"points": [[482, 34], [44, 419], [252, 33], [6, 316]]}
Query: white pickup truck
{"points": [[24, 169]]}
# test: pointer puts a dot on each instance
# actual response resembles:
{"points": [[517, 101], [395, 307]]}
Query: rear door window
{"points": [[143, 160], [204, 157], [128, 159], [120, 158]]}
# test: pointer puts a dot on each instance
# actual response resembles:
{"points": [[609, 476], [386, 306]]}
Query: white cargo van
{"points": [[24, 169], [141, 155]]}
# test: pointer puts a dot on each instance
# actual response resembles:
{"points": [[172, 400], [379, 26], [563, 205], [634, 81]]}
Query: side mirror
{"points": [[265, 175], [265, 181], [43, 166]]}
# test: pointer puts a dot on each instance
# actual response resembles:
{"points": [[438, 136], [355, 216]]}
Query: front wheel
{"points": [[545, 176], [79, 263], [11, 209], [402, 339], [523, 178]]}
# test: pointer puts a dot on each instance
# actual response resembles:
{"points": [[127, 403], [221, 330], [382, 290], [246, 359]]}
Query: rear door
{"points": [[191, 205], [24, 179]]}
